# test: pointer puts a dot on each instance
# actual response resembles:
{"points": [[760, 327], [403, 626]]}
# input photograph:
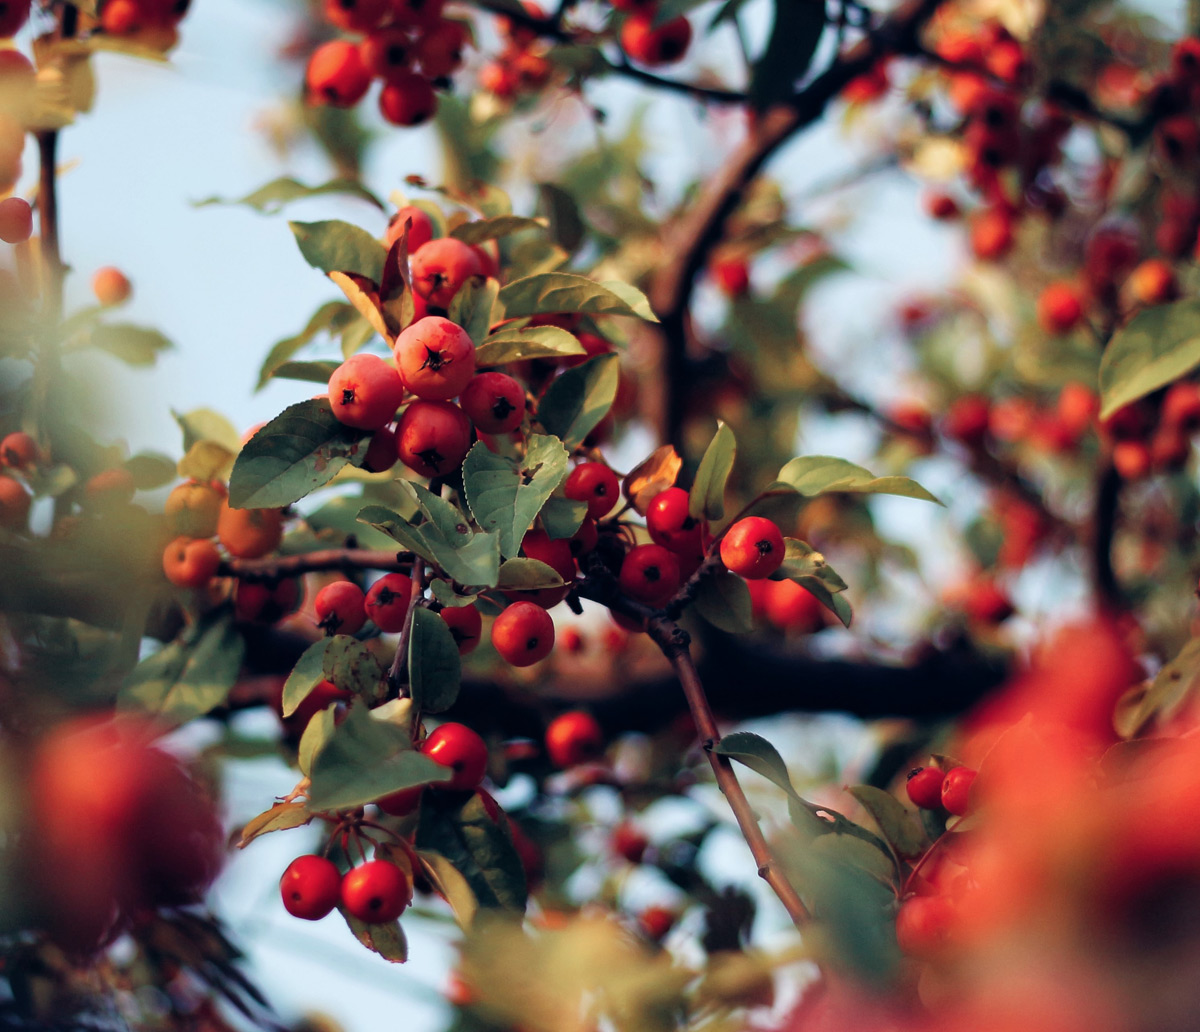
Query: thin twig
{"points": [[324, 561]]}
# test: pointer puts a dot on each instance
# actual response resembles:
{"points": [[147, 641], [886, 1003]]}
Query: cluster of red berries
{"points": [[649, 43], [523, 66], [153, 23], [344, 608], [374, 892], [407, 44], [931, 788]]}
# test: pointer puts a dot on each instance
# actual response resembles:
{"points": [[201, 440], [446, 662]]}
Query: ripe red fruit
{"points": [[13, 14], [555, 553], [672, 526], [654, 46], [336, 74], [190, 562], [365, 392], [986, 603], [656, 921], [942, 207], [1076, 408], [386, 602], [440, 50], [1180, 407], [16, 220], [381, 452], [967, 420], [110, 487], [731, 275], [462, 750], [789, 606], [991, 234], [572, 738], [376, 892], [466, 624], [924, 787], [433, 437], [923, 925], [19, 451], [440, 267], [436, 358], [417, 14], [322, 696], [1132, 459], [523, 634], [355, 15], [263, 604], [1151, 283], [340, 608], [401, 803], [499, 79], [494, 402], [585, 538], [407, 99], [310, 887], [595, 484], [120, 17], [419, 233], [630, 842], [111, 286], [752, 548], [650, 574], [1059, 308], [385, 53], [956, 790], [249, 533], [14, 504]]}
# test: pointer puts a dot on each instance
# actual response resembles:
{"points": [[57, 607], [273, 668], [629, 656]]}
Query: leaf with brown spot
{"points": [[651, 477]]}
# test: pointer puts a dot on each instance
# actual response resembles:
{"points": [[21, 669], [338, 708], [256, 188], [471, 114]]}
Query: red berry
{"points": [[381, 452], [523, 634], [731, 275], [555, 553], [651, 45], [16, 220], [462, 750], [440, 50], [585, 538], [650, 574], [310, 887], [440, 267], [671, 525], [435, 357], [596, 484], [465, 623], [924, 787], [656, 921], [991, 234], [191, 562], [386, 603], [365, 392], [419, 233], [386, 53], [433, 437], [1059, 308], [402, 802], [14, 504], [265, 604], [956, 790], [323, 695], [573, 738], [340, 608], [494, 402], [407, 99], [355, 15], [923, 925], [753, 548], [629, 842], [336, 74], [967, 420], [789, 606], [13, 14], [376, 892], [19, 451]]}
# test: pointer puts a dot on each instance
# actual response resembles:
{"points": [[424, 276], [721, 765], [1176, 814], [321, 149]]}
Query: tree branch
{"points": [[330, 559]]}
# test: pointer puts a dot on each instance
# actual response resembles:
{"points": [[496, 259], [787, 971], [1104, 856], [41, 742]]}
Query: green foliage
{"points": [[340, 247], [577, 400], [723, 599], [274, 196], [515, 345], [814, 475], [472, 308], [333, 317], [133, 345], [494, 228], [706, 500], [387, 940], [550, 292], [468, 557], [808, 568], [353, 667], [1158, 346], [308, 672], [434, 669]]}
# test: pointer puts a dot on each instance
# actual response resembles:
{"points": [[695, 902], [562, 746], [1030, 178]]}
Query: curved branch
{"points": [[330, 559]]}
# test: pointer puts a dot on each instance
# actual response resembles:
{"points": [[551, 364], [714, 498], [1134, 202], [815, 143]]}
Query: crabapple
{"points": [[752, 548], [656, 921], [340, 608], [440, 267], [387, 52], [14, 504], [19, 451], [193, 508], [465, 623], [671, 525], [365, 392], [355, 15], [956, 790], [555, 553], [494, 402], [433, 437], [407, 99], [16, 220], [1152, 283], [265, 604], [731, 275], [401, 802], [381, 452], [310, 887], [323, 695], [416, 13], [190, 562], [923, 925], [436, 358], [462, 750], [386, 602], [924, 787], [967, 420], [523, 634], [650, 574], [440, 50], [630, 842], [789, 606], [376, 892], [991, 232], [585, 538], [596, 484], [572, 738], [653, 45], [336, 74], [110, 487], [249, 533], [13, 14], [111, 286], [419, 233], [1059, 308], [1180, 407]]}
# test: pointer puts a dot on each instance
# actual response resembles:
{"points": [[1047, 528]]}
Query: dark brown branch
{"points": [[1104, 526], [47, 204], [331, 559]]}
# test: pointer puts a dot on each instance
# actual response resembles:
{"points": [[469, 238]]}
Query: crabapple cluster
{"points": [[408, 45], [522, 66]]}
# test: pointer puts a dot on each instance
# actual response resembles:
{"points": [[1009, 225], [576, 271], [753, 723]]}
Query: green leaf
{"points": [[443, 592], [471, 308], [306, 372], [723, 599], [451, 886], [814, 475], [338, 518], [385, 939], [808, 568], [133, 345], [506, 496], [550, 292], [319, 730], [562, 517], [330, 318], [280, 817], [566, 225], [509, 345], [150, 470], [206, 425], [527, 575], [793, 41], [340, 247], [298, 451], [901, 827], [434, 667], [189, 677], [353, 667], [1157, 347], [308, 672], [492, 229], [706, 500], [579, 398], [479, 848], [1173, 685], [272, 196], [759, 755], [364, 759], [470, 559]]}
